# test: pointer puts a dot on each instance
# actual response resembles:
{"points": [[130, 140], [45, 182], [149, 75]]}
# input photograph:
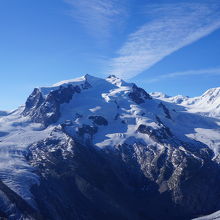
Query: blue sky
{"points": [[171, 46]]}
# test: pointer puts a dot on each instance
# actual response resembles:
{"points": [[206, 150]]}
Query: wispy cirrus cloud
{"points": [[171, 27], [98, 16], [206, 72]]}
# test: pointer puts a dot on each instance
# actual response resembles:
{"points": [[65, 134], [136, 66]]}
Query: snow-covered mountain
{"points": [[207, 104], [92, 148]]}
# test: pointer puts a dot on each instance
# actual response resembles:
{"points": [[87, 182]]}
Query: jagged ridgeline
{"points": [[92, 148]]}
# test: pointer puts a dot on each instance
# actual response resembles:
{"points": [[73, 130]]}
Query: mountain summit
{"points": [[92, 148]]}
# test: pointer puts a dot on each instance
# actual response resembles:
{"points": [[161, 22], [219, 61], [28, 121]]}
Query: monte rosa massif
{"points": [[95, 149]]}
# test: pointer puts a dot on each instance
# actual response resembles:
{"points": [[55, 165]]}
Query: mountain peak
{"points": [[70, 81], [44, 105], [86, 81], [212, 93]]}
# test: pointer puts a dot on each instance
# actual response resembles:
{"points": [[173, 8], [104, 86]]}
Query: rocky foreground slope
{"points": [[93, 148]]}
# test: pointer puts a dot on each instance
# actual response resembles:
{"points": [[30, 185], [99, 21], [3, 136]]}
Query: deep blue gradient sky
{"points": [[170, 46]]}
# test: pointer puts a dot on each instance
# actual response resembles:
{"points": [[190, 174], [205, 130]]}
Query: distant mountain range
{"points": [[208, 104], [91, 148]]}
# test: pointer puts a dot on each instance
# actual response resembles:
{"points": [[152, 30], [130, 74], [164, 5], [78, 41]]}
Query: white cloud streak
{"points": [[206, 72], [171, 27], [98, 16]]}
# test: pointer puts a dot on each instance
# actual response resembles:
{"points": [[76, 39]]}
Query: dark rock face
{"points": [[86, 185], [65, 94], [20, 208], [34, 100], [138, 95], [131, 182], [99, 120], [47, 110], [161, 135], [166, 110], [87, 129]]}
